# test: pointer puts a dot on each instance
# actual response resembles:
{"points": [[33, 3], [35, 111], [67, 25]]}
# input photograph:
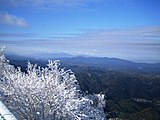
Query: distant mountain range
{"points": [[70, 60], [112, 63], [39, 56]]}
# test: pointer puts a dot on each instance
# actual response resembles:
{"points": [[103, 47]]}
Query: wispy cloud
{"points": [[50, 3], [12, 20], [17, 35], [60, 3], [140, 44]]}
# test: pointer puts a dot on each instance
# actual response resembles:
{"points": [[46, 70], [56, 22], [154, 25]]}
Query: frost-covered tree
{"points": [[49, 93], [4, 64]]}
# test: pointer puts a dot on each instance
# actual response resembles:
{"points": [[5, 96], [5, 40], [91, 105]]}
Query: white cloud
{"points": [[8, 19]]}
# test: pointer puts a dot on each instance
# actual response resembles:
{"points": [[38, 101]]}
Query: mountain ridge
{"points": [[100, 62]]}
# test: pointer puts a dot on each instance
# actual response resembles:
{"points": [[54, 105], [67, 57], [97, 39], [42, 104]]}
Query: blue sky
{"points": [[127, 29]]}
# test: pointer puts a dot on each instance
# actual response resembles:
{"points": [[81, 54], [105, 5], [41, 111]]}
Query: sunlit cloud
{"points": [[12, 20]]}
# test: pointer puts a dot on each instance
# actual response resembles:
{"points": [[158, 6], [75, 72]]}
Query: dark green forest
{"points": [[133, 96]]}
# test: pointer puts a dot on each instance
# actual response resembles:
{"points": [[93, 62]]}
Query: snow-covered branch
{"points": [[49, 93]]}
